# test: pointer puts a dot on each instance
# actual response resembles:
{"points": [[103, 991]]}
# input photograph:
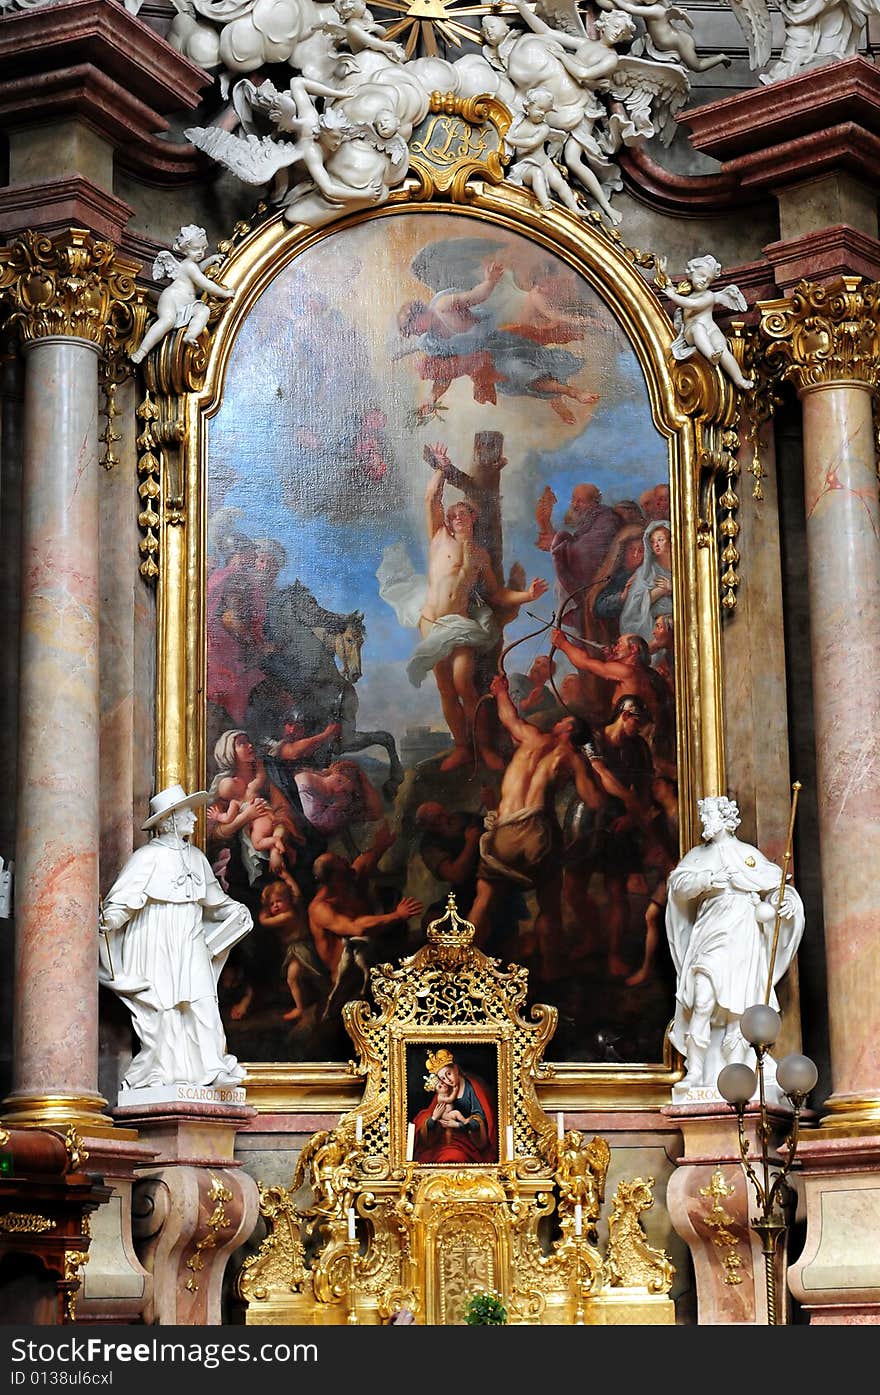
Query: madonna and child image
{"points": [[452, 1103]]}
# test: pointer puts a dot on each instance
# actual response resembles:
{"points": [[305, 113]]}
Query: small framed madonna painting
{"points": [[451, 1110]]}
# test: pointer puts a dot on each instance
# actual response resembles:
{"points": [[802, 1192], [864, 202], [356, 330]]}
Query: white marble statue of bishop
{"points": [[169, 929], [720, 922]]}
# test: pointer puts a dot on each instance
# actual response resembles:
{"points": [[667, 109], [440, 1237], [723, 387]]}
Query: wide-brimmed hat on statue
{"points": [[169, 800]]}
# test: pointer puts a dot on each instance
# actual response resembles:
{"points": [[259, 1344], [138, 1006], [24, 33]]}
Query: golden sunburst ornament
{"points": [[426, 27]]}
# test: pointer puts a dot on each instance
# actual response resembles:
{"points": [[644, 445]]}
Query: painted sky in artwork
{"points": [[317, 442]]}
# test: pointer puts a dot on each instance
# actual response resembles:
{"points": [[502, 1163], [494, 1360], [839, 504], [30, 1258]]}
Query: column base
{"points": [[837, 1276], [85, 1111], [848, 1116]]}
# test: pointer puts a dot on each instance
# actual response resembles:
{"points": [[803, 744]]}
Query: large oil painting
{"points": [[441, 649]]}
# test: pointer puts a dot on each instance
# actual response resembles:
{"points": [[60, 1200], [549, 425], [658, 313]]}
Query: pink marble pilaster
{"points": [[114, 1286], [837, 1275], [843, 545], [56, 991]]}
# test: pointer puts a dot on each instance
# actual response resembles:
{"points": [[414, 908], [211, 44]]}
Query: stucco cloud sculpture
{"points": [[337, 140]]}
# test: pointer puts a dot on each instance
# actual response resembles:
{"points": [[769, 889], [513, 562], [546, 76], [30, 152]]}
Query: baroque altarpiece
{"points": [[452, 294], [338, 453]]}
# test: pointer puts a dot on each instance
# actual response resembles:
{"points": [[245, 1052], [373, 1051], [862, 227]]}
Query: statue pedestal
{"points": [[709, 1201], [193, 1206], [115, 1287], [181, 1094], [813, 141]]}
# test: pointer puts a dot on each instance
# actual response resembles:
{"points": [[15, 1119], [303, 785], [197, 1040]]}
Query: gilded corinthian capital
{"points": [[825, 334], [72, 285]]}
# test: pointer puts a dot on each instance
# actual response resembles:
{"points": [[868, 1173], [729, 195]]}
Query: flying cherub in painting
{"points": [[468, 329]]}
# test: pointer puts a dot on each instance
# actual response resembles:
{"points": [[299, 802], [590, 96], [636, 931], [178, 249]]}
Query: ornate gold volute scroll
{"points": [[366, 1228], [460, 139], [73, 285], [824, 333], [756, 407], [171, 372]]}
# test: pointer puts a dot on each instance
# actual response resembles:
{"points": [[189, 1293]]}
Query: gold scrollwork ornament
{"points": [[825, 334], [25, 1222], [461, 139], [720, 1221], [73, 285], [217, 1221]]}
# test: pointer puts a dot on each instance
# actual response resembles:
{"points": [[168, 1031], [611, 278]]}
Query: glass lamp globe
{"points": [[737, 1084], [796, 1074], [760, 1025]]}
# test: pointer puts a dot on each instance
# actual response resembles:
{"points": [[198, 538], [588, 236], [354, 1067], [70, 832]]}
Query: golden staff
{"points": [[786, 859], [103, 930]]}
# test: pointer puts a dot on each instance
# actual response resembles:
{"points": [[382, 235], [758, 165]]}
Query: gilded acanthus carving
{"points": [[825, 334], [630, 1259], [25, 1222], [76, 1151], [74, 1261], [72, 285], [217, 1221], [280, 1262], [149, 490], [720, 1221]]}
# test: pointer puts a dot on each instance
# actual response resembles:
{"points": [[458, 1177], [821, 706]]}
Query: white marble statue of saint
{"points": [[720, 922], [815, 32], [169, 929]]}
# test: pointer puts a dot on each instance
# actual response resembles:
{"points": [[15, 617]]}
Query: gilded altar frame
{"points": [[693, 407]]}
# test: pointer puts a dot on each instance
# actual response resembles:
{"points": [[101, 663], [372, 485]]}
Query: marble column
{"points": [[56, 1019], [843, 545], [828, 340], [69, 296]]}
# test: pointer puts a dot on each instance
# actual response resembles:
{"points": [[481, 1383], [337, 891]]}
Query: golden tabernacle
{"points": [[408, 1205]]}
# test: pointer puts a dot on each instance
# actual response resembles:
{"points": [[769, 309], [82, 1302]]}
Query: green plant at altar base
{"points": [[485, 1309]]}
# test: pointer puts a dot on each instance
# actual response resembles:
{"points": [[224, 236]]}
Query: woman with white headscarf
{"points": [[649, 591], [242, 792]]}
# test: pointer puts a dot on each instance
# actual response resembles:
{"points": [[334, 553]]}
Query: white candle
{"points": [[510, 1140], [578, 1218], [358, 1128], [560, 1127], [410, 1141], [351, 1232]]}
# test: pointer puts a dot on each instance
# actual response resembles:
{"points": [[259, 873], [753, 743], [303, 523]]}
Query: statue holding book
{"points": [[167, 928]]}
